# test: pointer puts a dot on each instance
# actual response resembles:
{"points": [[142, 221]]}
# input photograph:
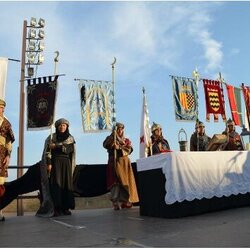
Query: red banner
{"points": [[246, 94], [214, 99]]}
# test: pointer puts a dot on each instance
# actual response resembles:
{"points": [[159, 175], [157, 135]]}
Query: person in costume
{"points": [[199, 139], [120, 176], [6, 140], [60, 160], [234, 139], [159, 143]]}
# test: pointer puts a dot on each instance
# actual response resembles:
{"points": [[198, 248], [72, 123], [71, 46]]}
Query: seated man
{"points": [[159, 144], [199, 139], [234, 139]]}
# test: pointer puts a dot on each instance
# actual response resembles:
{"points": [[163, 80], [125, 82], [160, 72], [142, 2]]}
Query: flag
{"points": [[214, 99], [41, 98], [246, 94], [3, 76], [185, 98], [145, 140], [234, 97], [97, 105]]}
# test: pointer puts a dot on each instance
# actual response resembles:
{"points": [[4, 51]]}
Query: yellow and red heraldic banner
{"points": [[214, 99]]}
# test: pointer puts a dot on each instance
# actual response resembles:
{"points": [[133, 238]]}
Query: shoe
{"points": [[66, 212], [57, 213], [116, 206], [126, 205], [2, 218]]}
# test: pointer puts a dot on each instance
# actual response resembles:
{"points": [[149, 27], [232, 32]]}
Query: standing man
{"points": [[6, 140], [120, 176]]}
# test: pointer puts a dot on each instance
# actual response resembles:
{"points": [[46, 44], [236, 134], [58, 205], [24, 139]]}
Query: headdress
{"points": [[2, 102], [230, 122], [119, 125], [61, 121], [199, 124], [155, 126]]}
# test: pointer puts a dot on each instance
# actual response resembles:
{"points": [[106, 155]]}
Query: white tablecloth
{"points": [[197, 175]]}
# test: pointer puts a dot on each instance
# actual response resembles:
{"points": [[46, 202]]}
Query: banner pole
{"points": [[113, 111], [56, 60], [197, 79]]}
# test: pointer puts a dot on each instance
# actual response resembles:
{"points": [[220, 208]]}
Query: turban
{"points": [[119, 125], [2, 102], [61, 121]]}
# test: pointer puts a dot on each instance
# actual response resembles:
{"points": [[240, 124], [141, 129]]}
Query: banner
{"points": [[214, 99], [234, 97], [145, 132], [41, 98], [97, 105], [185, 98], [246, 94], [3, 76]]}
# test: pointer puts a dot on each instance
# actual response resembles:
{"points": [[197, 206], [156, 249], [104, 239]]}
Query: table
{"points": [[179, 184]]}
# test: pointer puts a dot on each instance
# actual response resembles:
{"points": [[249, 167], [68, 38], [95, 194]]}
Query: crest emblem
{"points": [[42, 105], [187, 98], [214, 100]]}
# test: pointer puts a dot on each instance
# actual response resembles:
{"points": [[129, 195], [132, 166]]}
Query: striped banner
{"points": [[234, 97]]}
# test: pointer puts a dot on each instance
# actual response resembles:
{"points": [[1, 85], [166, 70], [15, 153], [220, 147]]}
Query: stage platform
{"points": [[101, 228]]}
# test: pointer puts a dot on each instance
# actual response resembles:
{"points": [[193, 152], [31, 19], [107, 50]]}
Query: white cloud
{"points": [[199, 29]]}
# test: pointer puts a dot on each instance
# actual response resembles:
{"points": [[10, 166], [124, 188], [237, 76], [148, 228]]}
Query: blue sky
{"points": [[151, 40]]}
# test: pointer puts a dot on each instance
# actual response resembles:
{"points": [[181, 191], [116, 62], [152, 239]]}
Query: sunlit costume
{"points": [[234, 139], [6, 140], [159, 143], [199, 139], [120, 176]]}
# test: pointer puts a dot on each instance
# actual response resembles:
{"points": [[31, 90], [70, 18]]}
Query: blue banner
{"points": [[185, 99]]}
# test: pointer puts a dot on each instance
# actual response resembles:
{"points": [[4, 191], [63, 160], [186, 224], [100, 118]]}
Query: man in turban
{"points": [[120, 176]]}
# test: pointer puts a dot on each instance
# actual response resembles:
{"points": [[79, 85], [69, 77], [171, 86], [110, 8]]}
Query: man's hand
{"points": [[49, 167], [52, 145]]}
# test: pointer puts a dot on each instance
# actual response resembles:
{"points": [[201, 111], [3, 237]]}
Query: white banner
{"points": [[145, 140], [3, 76]]}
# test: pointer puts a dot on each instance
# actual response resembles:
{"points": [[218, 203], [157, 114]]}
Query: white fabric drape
{"points": [[197, 175], [3, 76]]}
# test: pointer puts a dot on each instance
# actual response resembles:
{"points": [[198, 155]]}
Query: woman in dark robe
{"points": [[60, 159]]}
